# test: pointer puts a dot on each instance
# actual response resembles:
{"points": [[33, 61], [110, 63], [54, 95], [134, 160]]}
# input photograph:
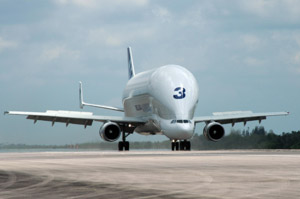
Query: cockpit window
{"points": [[181, 121]]}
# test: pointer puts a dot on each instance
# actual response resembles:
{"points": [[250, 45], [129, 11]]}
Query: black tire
{"points": [[188, 145], [182, 145], [173, 146], [126, 145], [121, 146], [177, 146]]}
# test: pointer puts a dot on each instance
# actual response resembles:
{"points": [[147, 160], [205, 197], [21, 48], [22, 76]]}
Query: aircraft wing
{"points": [[237, 116], [74, 117]]}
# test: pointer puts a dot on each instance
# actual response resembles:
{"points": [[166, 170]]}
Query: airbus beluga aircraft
{"points": [[158, 101]]}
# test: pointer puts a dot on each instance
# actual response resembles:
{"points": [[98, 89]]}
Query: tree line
{"points": [[258, 138]]}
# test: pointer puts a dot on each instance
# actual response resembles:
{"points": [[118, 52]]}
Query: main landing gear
{"points": [[124, 145], [181, 145]]}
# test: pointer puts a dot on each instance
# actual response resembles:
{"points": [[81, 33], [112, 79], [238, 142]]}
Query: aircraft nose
{"points": [[179, 131]]}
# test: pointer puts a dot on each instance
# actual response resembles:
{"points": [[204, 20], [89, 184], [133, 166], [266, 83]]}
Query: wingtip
{"points": [[6, 112]]}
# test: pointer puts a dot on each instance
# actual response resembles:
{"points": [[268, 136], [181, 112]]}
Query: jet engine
{"points": [[110, 131], [213, 131]]}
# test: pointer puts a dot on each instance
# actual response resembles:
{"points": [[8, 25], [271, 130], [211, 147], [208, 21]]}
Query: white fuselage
{"points": [[166, 97]]}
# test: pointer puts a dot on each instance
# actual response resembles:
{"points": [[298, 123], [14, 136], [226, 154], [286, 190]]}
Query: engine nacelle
{"points": [[213, 131], [110, 131]]}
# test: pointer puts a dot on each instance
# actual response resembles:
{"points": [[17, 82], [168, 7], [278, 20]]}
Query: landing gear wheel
{"points": [[185, 145], [126, 146], [188, 145], [181, 145], [121, 146], [175, 146]]}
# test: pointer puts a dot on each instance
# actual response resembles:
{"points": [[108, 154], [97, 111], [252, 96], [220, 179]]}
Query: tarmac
{"points": [[151, 174]]}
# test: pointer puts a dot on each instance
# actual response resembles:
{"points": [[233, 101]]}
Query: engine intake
{"points": [[213, 131], [110, 131]]}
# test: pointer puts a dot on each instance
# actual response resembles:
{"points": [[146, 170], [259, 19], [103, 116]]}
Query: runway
{"points": [[151, 174]]}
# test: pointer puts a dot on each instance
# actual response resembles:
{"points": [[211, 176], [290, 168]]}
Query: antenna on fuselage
{"points": [[131, 71]]}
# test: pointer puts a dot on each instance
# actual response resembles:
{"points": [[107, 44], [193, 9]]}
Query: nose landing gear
{"points": [[183, 145], [175, 145]]}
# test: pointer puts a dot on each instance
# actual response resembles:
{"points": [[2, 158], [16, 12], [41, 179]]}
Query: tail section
{"points": [[131, 71]]}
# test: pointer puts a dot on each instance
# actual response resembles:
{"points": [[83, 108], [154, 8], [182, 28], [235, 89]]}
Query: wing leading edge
{"points": [[74, 117], [237, 116]]}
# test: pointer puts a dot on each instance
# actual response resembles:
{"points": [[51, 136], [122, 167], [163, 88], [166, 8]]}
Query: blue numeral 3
{"points": [[179, 93]]}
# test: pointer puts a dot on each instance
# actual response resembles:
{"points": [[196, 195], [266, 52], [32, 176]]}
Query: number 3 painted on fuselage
{"points": [[180, 93]]}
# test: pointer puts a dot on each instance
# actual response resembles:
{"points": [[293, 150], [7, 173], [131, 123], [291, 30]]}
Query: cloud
{"points": [[296, 61], [102, 3], [276, 10], [57, 52], [84, 3], [251, 41], [297, 58], [297, 39], [5, 44], [123, 35], [251, 61], [162, 13], [260, 8]]}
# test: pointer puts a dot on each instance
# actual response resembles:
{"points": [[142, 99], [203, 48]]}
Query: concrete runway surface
{"points": [[151, 174]]}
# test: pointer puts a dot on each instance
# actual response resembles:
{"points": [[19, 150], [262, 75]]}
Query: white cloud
{"points": [[276, 10], [162, 13], [4, 44], [102, 36], [297, 58], [84, 3], [118, 37], [197, 16], [297, 39], [251, 41], [102, 3], [251, 61], [51, 54], [259, 7], [296, 61]]}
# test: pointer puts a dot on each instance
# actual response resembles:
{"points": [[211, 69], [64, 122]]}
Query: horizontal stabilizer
{"points": [[82, 103]]}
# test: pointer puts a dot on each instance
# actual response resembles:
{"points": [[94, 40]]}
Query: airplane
{"points": [[159, 101]]}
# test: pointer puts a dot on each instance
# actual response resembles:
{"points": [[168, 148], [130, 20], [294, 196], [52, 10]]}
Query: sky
{"points": [[244, 54]]}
